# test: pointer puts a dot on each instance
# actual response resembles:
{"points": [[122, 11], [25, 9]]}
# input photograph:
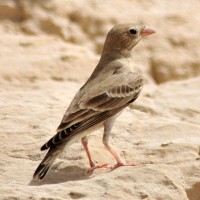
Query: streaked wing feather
{"points": [[77, 117], [96, 101]]}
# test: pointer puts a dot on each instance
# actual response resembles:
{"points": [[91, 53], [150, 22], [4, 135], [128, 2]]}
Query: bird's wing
{"points": [[91, 111]]}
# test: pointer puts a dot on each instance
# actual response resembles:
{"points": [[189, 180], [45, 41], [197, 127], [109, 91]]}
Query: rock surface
{"points": [[48, 49]]}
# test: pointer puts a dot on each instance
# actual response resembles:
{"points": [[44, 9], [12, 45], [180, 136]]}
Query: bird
{"points": [[111, 87]]}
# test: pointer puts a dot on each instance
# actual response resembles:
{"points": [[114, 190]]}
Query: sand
{"points": [[48, 49]]}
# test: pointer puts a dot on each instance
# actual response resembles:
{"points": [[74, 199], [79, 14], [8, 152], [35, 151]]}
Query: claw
{"points": [[96, 167], [120, 165]]}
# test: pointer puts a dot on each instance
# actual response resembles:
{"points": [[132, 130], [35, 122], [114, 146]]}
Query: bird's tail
{"points": [[46, 163]]}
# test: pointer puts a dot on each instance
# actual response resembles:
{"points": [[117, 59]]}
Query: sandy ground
{"points": [[48, 49]]}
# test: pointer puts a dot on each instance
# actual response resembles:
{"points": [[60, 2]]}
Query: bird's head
{"points": [[122, 38]]}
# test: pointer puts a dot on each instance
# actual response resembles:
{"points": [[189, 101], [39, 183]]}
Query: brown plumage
{"points": [[112, 86]]}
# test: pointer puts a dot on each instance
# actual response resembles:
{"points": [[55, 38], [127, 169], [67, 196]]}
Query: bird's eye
{"points": [[133, 31]]}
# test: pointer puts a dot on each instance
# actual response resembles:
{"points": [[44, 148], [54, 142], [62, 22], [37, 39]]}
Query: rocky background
{"points": [[48, 48]]}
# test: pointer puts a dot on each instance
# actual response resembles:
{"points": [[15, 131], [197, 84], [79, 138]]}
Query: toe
{"points": [[120, 165], [91, 169]]}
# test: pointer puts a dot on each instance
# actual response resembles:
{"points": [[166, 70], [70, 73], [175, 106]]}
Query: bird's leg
{"points": [[84, 141], [107, 129]]}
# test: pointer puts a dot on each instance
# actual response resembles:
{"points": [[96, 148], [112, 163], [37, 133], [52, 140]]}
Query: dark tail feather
{"points": [[46, 163]]}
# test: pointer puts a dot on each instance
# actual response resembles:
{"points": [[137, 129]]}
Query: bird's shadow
{"points": [[60, 175]]}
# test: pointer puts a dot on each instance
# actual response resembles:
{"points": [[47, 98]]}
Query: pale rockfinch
{"points": [[112, 86]]}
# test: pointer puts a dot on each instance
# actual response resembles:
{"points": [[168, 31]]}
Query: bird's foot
{"points": [[120, 164], [92, 168]]}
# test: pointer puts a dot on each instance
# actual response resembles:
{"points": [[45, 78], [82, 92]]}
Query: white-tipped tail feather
{"points": [[47, 162]]}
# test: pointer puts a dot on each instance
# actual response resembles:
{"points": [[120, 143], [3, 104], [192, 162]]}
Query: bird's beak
{"points": [[147, 31]]}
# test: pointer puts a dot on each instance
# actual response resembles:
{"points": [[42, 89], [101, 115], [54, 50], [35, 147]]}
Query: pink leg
{"points": [[107, 129], [92, 164], [119, 162]]}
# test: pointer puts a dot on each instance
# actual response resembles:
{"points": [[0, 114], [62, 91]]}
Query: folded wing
{"points": [[95, 110]]}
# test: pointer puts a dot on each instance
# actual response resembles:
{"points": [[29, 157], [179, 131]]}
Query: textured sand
{"points": [[48, 49]]}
